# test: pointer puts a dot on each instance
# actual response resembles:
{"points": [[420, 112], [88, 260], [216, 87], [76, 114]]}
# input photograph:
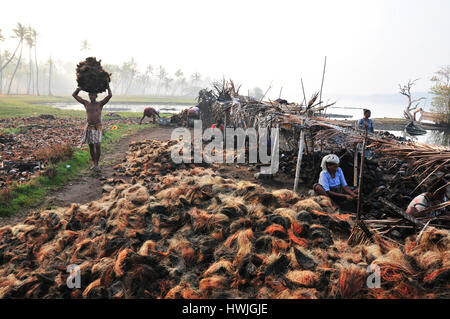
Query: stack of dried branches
{"points": [[423, 159], [246, 111]]}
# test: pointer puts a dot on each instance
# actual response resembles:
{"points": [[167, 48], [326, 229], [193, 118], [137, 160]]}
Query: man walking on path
{"points": [[93, 131]]}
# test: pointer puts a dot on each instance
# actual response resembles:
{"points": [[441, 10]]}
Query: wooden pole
{"points": [[281, 90], [270, 86], [304, 95], [224, 132], [361, 170], [400, 211], [306, 144], [355, 167], [323, 77], [299, 158]]}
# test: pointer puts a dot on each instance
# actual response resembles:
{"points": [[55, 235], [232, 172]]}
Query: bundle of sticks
{"points": [[423, 159]]}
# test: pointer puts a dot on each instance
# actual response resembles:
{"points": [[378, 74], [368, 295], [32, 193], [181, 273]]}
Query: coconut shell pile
{"points": [[191, 233], [21, 151], [91, 77]]}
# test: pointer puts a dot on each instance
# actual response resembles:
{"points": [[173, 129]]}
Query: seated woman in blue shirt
{"points": [[332, 182]]}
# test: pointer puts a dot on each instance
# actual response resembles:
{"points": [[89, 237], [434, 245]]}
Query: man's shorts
{"points": [[92, 134]]}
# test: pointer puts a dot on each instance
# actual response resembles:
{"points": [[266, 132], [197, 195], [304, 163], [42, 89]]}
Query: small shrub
{"points": [[5, 194], [54, 153]]}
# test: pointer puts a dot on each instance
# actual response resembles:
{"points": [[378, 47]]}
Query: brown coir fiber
{"points": [[157, 238]]}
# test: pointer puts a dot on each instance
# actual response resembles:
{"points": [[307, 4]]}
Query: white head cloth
{"points": [[330, 158]]}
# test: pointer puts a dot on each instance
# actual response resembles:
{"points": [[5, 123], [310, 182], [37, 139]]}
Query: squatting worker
{"points": [[366, 121], [218, 125], [193, 114], [434, 196], [332, 182], [150, 112], [93, 131]]}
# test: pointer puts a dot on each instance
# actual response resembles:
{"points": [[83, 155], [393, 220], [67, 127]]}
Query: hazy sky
{"points": [[371, 45]]}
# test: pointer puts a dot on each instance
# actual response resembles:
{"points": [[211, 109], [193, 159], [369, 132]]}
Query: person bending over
{"points": [[193, 114], [93, 131], [150, 112], [436, 195], [332, 182]]}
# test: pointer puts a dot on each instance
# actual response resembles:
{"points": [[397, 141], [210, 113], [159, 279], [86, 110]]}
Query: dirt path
{"points": [[88, 186]]}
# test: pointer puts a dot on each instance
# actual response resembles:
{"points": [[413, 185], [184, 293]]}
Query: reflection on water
{"points": [[439, 138], [434, 137], [126, 107]]}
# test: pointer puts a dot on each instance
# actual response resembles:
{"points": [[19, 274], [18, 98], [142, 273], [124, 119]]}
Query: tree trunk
{"points": [[37, 70], [30, 75], [1, 74], [12, 57], [15, 70], [50, 78]]}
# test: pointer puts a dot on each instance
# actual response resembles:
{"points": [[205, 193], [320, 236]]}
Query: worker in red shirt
{"points": [[218, 125], [150, 112]]}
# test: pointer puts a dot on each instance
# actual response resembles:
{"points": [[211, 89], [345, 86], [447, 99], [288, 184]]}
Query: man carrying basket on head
{"points": [[93, 131]]}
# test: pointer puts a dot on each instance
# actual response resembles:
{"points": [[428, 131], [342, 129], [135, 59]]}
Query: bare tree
{"points": [[406, 91]]}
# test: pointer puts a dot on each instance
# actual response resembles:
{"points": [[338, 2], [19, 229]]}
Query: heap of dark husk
{"points": [[91, 77], [181, 231]]}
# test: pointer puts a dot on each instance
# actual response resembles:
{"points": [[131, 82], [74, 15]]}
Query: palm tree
{"points": [[15, 51], [85, 46], [131, 70], [162, 74], [6, 56], [1, 69], [34, 34], [167, 82], [115, 79], [178, 75], [20, 32], [195, 78], [30, 43], [183, 83], [50, 67], [148, 76]]}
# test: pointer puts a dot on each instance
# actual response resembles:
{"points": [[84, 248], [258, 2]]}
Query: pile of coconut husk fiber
{"points": [[91, 77], [192, 233]]}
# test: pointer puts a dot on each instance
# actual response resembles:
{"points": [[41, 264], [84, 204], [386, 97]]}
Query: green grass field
{"points": [[26, 106]]}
